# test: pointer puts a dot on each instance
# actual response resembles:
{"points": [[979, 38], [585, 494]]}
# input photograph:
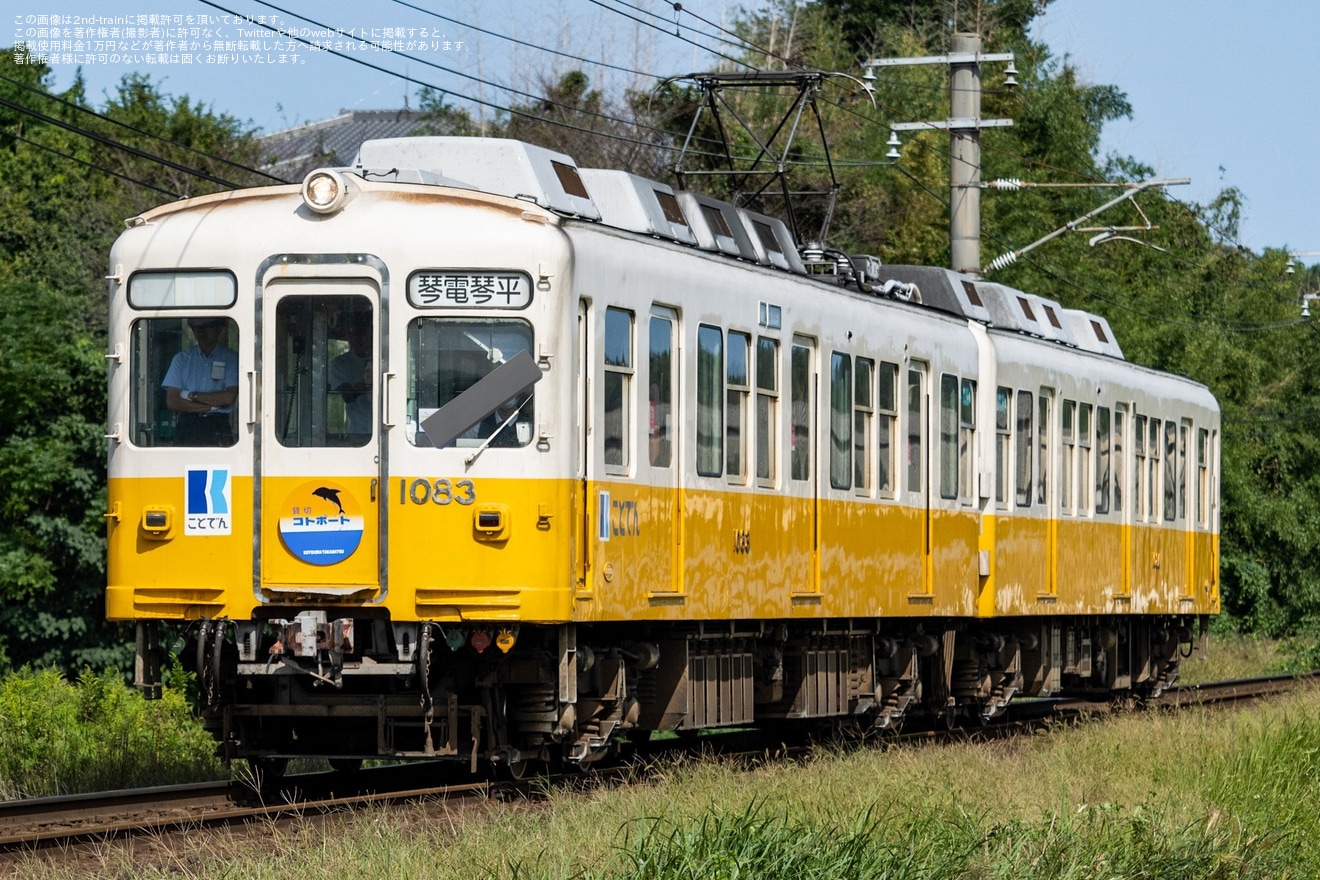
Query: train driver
{"points": [[510, 433], [201, 385], [350, 376]]}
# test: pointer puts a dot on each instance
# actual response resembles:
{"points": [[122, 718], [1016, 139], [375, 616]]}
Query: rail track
{"points": [[34, 824]]}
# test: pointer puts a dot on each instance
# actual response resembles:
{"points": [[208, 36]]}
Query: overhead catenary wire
{"points": [[240, 166], [514, 111], [91, 165], [110, 142]]}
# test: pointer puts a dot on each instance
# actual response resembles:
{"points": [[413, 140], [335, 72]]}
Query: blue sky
{"points": [[1213, 83]]}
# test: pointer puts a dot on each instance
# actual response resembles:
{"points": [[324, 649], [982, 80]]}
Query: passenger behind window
{"points": [[201, 385], [350, 376]]}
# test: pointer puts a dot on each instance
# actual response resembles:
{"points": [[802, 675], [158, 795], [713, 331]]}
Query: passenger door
{"points": [[319, 453]]}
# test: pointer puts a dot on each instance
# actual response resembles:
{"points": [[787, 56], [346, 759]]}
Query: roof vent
{"points": [[717, 226], [494, 165], [627, 201], [1091, 332], [773, 242]]}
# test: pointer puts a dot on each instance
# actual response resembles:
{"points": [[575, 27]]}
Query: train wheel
{"points": [[267, 772], [345, 765]]}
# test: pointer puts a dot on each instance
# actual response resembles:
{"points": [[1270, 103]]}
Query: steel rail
{"points": [[33, 824]]}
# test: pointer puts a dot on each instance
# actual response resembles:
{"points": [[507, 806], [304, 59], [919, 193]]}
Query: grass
{"points": [[95, 734], [1233, 656], [1228, 794]]}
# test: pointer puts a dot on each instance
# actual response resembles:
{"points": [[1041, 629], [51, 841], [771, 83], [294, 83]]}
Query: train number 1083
{"points": [[440, 491]]}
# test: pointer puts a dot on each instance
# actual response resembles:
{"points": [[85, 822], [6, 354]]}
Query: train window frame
{"points": [[618, 366], [1084, 498], [1103, 458], [1184, 429], [966, 439], [468, 373], [736, 393], [1044, 459], [1120, 445], [1154, 465], [148, 410], [1202, 477], [1169, 506], [801, 410], [1139, 468], [886, 428], [841, 406], [169, 301], [660, 365], [1003, 445], [1068, 452], [863, 425], [767, 411], [710, 401], [1024, 447], [949, 470], [914, 418]]}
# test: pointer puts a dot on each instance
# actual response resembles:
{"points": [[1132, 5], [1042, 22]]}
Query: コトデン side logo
{"points": [[208, 507]]}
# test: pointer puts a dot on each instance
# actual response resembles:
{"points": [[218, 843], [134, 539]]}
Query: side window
{"points": [[710, 401], [735, 447], [1044, 459], [185, 381], [1170, 470], [1140, 512], [660, 431], [886, 406], [1120, 424], [1183, 430], [1202, 477], [800, 403], [841, 391], [948, 436], [1102, 459], [966, 436], [1003, 445], [1085, 458], [617, 435], [1153, 470], [767, 409], [863, 409], [916, 428], [1025, 448], [1068, 438]]}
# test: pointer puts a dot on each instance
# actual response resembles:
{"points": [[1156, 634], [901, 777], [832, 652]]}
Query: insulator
{"points": [[1003, 261], [1007, 183]]}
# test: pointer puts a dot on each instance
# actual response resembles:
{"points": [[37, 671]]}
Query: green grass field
{"points": [[1216, 794]]}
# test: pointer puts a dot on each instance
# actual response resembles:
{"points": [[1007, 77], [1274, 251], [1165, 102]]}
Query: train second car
{"points": [[467, 452]]}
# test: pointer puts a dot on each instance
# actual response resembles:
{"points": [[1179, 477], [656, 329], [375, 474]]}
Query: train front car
{"points": [[364, 375]]}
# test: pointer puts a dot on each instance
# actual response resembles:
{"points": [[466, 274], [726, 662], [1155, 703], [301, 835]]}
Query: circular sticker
{"points": [[322, 523]]}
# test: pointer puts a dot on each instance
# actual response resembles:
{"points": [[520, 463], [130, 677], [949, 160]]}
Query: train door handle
{"points": [[254, 391], [387, 379]]}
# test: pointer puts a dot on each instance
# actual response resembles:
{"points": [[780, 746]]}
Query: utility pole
{"points": [[964, 126]]}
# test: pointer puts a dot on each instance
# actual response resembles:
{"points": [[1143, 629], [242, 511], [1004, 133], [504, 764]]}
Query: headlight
{"points": [[324, 191]]}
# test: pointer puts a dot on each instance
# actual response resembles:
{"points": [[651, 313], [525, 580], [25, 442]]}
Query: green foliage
{"points": [[97, 734], [61, 208]]}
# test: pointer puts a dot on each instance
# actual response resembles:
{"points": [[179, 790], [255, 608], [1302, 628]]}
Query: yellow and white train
{"points": [[465, 451]]}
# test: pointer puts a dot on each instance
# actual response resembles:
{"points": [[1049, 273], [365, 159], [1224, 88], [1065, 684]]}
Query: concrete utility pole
{"points": [[964, 126]]}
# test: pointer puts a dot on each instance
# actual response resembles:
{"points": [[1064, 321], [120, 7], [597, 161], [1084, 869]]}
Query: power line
{"points": [[94, 167], [102, 139], [728, 58], [539, 48], [113, 121]]}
